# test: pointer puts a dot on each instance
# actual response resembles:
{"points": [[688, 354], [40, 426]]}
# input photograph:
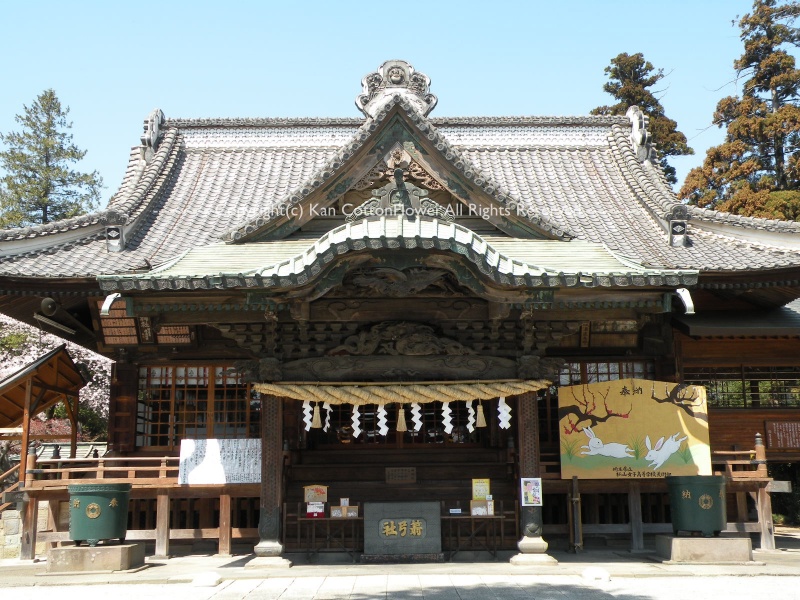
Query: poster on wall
{"points": [[633, 428], [219, 461], [531, 488]]}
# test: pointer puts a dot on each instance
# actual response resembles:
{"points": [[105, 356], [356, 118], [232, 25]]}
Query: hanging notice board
{"points": [[219, 461], [783, 434]]}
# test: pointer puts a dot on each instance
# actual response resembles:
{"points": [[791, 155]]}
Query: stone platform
{"points": [[83, 559], [702, 550]]}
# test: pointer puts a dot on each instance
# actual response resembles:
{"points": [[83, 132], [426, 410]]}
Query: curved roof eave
{"points": [[337, 166], [397, 233], [125, 206]]}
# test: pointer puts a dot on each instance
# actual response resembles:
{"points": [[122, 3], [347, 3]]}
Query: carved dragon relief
{"points": [[399, 338]]}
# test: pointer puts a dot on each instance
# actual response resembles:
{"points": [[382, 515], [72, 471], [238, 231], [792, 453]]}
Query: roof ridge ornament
{"points": [[395, 77], [151, 134], [640, 137]]}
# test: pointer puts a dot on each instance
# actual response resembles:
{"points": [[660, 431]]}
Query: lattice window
{"points": [[748, 387], [577, 373], [194, 402]]}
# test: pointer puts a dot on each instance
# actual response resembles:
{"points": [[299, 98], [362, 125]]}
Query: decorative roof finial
{"points": [[640, 136], [395, 77], [151, 134]]}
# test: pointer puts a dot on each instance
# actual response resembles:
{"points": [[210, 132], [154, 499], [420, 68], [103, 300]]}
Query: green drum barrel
{"points": [[98, 512], [697, 503]]}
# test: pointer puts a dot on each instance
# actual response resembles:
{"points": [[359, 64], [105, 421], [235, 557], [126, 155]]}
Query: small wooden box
{"points": [[481, 508], [344, 512]]}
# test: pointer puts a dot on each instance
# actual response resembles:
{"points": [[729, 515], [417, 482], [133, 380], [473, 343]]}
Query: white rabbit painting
{"points": [[657, 455], [596, 447]]}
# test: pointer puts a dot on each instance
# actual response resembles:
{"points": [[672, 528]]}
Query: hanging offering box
{"points": [[481, 508], [315, 510]]}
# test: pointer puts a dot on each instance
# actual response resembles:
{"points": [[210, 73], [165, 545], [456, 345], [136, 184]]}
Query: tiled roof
{"points": [[574, 177], [507, 261]]}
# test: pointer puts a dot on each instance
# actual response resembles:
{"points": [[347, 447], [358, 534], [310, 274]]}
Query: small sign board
{"points": [[481, 488], [14, 497], [783, 434], [779, 487], [315, 493], [531, 491]]}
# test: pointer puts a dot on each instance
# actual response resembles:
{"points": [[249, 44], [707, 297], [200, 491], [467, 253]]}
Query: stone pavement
{"points": [[594, 573]]}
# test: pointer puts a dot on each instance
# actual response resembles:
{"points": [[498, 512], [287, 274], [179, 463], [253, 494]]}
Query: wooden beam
{"points": [[55, 388]]}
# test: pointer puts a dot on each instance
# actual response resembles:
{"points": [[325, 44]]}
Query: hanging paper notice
{"points": [[219, 461], [480, 489]]}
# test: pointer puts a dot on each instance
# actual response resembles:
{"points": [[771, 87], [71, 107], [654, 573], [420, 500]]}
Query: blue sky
{"points": [[113, 62]]}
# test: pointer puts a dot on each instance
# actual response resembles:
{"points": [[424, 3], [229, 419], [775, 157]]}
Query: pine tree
{"points": [[756, 170], [39, 184], [630, 80]]}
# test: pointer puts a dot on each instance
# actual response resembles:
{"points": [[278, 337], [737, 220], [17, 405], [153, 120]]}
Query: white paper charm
{"points": [[307, 414], [503, 413], [328, 410], [446, 418], [470, 417], [356, 421], [416, 416], [383, 429]]}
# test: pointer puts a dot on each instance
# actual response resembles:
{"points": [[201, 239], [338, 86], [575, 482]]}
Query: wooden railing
{"points": [[14, 486], [135, 470], [153, 480]]}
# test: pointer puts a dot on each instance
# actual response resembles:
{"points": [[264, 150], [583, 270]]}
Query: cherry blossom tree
{"points": [[21, 344]]}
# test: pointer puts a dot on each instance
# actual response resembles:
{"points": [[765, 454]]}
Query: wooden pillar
{"points": [[30, 516], [764, 505], [162, 523], [635, 512], [73, 438], [26, 433], [763, 500], [269, 523], [224, 524], [533, 549]]}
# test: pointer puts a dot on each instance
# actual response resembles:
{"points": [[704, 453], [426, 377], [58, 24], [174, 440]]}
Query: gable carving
{"points": [[400, 338], [398, 158], [400, 197]]}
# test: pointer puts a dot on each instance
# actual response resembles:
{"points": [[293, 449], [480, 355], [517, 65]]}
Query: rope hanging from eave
{"points": [[360, 395]]}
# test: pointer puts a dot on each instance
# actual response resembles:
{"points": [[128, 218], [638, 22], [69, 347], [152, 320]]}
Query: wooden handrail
{"points": [[107, 467], [14, 486], [7, 474]]}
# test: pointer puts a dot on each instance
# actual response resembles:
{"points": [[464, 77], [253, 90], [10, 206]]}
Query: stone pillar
{"points": [[532, 547], [269, 548]]}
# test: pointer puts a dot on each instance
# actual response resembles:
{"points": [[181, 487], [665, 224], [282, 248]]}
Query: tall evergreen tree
{"points": [[756, 170], [631, 78], [39, 184]]}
